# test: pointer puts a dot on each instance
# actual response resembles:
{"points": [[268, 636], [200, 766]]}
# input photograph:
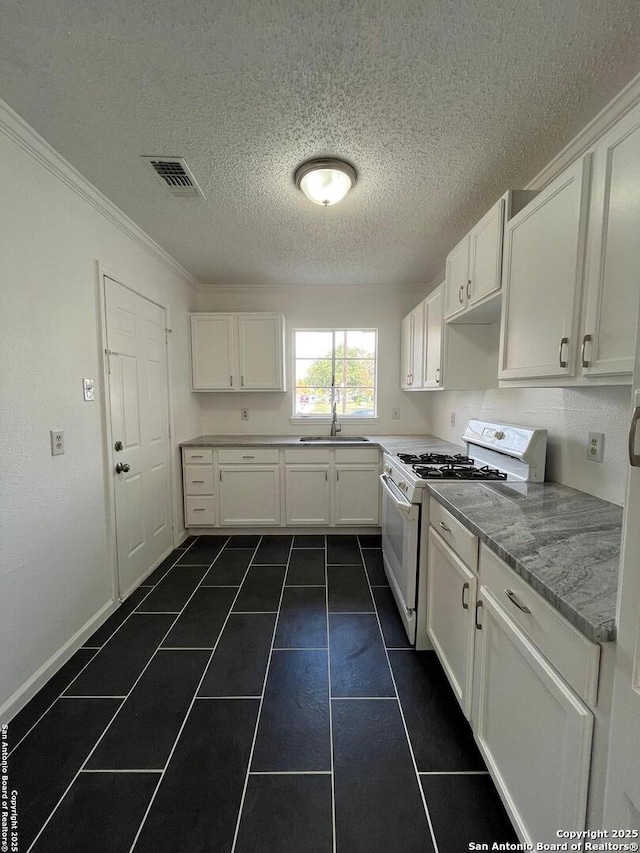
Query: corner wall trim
{"points": [[22, 134]]}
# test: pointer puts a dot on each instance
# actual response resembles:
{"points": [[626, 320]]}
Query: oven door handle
{"points": [[397, 497]]}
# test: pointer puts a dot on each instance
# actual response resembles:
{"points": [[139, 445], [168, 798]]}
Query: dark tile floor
{"points": [[255, 695]]}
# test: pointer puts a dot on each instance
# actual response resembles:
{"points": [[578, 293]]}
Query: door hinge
{"points": [[167, 332], [109, 353]]}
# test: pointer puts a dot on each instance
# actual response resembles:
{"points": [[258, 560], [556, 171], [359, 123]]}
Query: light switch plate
{"points": [[57, 442], [89, 390]]}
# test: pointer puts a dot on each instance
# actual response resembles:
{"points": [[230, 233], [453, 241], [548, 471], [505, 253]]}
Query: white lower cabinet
{"points": [[249, 495], [357, 494], [451, 601], [307, 495], [533, 731]]}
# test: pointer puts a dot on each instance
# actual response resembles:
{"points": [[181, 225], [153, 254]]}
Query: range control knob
{"points": [[402, 485], [387, 469], [499, 434]]}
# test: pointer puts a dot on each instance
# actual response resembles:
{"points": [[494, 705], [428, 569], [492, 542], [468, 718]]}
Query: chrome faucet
{"points": [[335, 426]]}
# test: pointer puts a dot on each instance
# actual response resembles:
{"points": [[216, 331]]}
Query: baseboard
{"points": [[37, 681]]}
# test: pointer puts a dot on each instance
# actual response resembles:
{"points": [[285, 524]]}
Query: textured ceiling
{"points": [[440, 105]]}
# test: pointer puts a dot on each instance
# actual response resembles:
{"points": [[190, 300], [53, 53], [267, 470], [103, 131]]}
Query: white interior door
{"points": [[140, 431], [622, 795]]}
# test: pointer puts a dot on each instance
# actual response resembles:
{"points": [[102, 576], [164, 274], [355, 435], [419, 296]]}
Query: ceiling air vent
{"points": [[174, 174]]}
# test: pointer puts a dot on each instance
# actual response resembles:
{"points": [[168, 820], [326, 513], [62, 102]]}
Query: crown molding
{"points": [[301, 288], [22, 134], [625, 100]]}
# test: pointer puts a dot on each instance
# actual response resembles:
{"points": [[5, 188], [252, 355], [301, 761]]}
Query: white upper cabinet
{"points": [[456, 279], [412, 346], [613, 252], [473, 274], [432, 372], [237, 352], [542, 281], [212, 352]]}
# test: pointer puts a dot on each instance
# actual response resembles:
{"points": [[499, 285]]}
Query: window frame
{"points": [[322, 418]]}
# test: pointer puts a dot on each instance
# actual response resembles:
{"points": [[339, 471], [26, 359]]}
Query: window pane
{"points": [[313, 373], [356, 373], [316, 402], [364, 342], [313, 344], [357, 402]]}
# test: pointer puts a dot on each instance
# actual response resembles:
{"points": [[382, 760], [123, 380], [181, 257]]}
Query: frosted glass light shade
{"points": [[325, 182]]}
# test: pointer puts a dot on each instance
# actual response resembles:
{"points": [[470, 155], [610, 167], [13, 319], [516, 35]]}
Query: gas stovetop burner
{"points": [[434, 459], [458, 472]]}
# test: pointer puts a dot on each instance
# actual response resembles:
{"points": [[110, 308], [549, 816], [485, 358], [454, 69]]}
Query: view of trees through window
{"points": [[335, 366]]}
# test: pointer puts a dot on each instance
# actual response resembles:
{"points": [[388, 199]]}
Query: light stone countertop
{"points": [[388, 443], [563, 542]]}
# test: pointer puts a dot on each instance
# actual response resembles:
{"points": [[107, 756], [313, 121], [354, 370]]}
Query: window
{"points": [[335, 366]]}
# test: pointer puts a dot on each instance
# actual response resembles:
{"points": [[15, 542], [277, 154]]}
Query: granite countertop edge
{"points": [[388, 443], [598, 632]]}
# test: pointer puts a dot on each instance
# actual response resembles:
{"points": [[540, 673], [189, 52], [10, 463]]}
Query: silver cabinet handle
{"points": [[242, 380], [585, 341], [465, 587], [196, 456], [248, 457], [231, 381], [513, 597], [437, 375], [198, 482], [444, 526], [468, 286], [478, 606], [326, 476], [460, 291], [198, 509], [634, 458], [220, 476], [563, 341]]}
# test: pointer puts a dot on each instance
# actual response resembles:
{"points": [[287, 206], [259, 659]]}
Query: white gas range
{"points": [[493, 452]]}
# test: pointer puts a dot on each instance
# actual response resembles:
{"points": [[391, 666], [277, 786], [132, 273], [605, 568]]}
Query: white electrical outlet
{"points": [[244, 414], [595, 446], [395, 413], [452, 419], [57, 442]]}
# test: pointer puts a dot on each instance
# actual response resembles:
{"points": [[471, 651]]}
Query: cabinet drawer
{"points": [[198, 479], [303, 455], [455, 534], [575, 657], [259, 455], [357, 455], [199, 512], [197, 454]]}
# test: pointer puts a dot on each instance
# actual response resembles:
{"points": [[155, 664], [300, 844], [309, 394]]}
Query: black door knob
{"points": [[122, 467]]}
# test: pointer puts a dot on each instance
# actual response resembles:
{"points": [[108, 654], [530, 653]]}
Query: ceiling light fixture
{"points": [[325, 182]]}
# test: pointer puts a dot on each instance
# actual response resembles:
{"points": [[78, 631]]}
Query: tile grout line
{"points": [[109, 724], [98, 648], [402, 717], [195, 696], [290, 773], [333, 775], [453, 773], [260, 706], [134, 770]]}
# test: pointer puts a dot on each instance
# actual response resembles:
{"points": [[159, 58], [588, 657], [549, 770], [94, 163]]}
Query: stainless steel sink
{"points": [[329, 439]]}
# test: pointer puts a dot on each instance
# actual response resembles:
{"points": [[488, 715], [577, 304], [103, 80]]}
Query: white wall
{"points": [[568, 413], [54, 553], [326, 307]]}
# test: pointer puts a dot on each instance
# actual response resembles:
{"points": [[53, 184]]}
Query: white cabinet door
{"points": [[432, 373], [405, 353], [417, 345], [249, 495], [542, 281], [456, 279], [533, 731], [613, 266], [307, 495], [357, 494], [260, 352], [451, 598], [485, 254], [212, 352]]}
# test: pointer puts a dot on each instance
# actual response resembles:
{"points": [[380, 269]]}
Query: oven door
{"points": [[400, 538]]}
